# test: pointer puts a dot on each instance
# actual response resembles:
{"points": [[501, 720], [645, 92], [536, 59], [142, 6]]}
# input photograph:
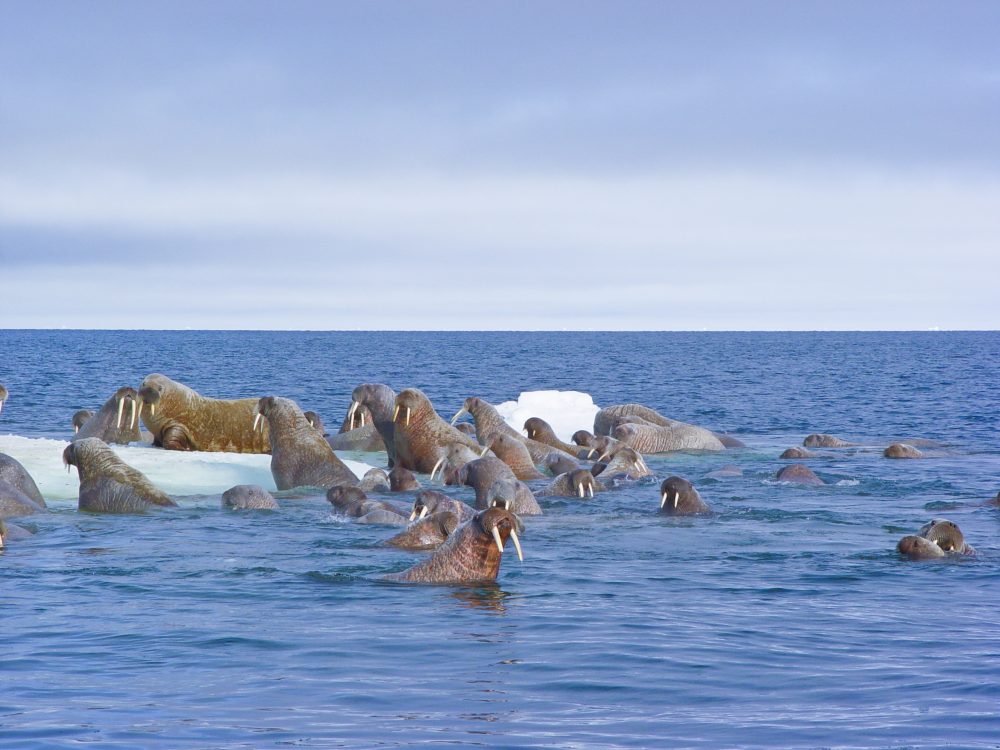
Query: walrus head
{"points": [[408, 403], [127, 396], [379, 399], [671, 490], [583, 438], [80, 417], [428, 501], [470, 406], [501, 524], [582, 482], [345, 498], [945, 534], [151, 392]]}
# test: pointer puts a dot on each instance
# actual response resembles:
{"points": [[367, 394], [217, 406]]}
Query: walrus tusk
{"points": [[413, 514], [603, 456], [1, 404], [152, 410], [580, 491], [121, 408], [434, 470], [407, 416], [423, 512], [76, 428], [458, 413], [138, 416], [350, 412], [395, 413], [677, 497], [362, 419], [256, 421], [517, 544], [132, 418], [486, 449], [496, 538], [663, 500], [590, 491], [591, 452]]}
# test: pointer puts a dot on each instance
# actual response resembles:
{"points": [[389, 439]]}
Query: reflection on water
{"points": [[489, 598]]}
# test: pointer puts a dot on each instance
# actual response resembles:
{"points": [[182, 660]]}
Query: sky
{"points": [[500, 165]]}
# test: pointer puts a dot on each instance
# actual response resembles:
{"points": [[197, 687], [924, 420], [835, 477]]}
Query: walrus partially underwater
{"points": [[108, 484]]}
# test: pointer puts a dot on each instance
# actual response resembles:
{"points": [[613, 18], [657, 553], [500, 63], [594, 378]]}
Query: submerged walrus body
{"points": [[471, 554], [939, 538], [108, 484], [181, 419]]}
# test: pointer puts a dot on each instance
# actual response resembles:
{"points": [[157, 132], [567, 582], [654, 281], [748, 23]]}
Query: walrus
{"points": [[248, 497], [181, 419], [300, 456], [108, 484], [358, 431], [678, 497], [80, 418], [557, 463], [375, 480], [624, 463], [489, 424], [513, 494], [428, 532], [610, 417], [939, 538], [116, 421], [725, 472], [353, 503], [402, 480], [540, 430], [315, 421], [13, 473], [15, 503], [728, 441], [583, 438], [421, 436], [12, 532], [454, 458], [577, 483], [650, 439], [432, 501], [798, 474], [797, 453], [817, 440], [902, 450], [379, 401], [481, 473], [515, 454], [471, 554], [467, 427]]}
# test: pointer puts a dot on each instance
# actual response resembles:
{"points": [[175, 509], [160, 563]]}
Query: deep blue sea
{"points": [[785, 620]]}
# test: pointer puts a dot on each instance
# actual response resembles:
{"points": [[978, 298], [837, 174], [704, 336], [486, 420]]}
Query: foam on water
{"points": [[565, 411], [175, 472]]}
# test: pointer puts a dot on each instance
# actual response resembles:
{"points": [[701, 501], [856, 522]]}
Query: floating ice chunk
{"points": [[177, 473], [566, 411]]}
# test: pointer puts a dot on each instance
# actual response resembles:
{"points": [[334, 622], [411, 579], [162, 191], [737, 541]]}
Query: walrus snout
{"points": [[501, 524], [262, 409]]}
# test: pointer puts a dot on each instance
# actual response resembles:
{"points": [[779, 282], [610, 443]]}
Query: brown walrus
{"points": [[513, 494], [797, 453], [576, 483], [248, 497], [421, 436], [358, 431], [489, 424], [80, 418], [471, 554], [678, 497], [300, 456], [939, 538], [315, 421], [514, 453], [402, 480], [108, 484], [798, 474], [432, 501], [353, 503], [818, 440], [650, 438], [902, 450], [454, 458], [427, 532], [117, 421], [540, 430], [13, 473], [623, 463], [557, 463], [379, 400], [183, 420]]}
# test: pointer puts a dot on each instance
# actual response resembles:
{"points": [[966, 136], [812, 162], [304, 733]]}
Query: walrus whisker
{"points": [[121, 408], [496, 538], [517, 544]]}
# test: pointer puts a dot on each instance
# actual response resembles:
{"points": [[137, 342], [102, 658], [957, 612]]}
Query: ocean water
{"points": [[786, 619]]}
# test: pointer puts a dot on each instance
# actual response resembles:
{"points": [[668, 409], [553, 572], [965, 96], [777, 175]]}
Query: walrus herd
{"points": [[489, 456]]}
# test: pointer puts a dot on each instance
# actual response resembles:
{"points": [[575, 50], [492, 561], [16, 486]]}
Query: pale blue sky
{"points": [[325, 165]]}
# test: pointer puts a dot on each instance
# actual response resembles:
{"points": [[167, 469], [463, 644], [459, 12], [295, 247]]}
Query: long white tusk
{"points": [[517, 544], [496, 538], [486, 449], [395, 413], [591, 452], [121, 408], [256, 421], [76, 428], [362, 419], [677, 496], [603, 456], [663, 500], [580, 491], [407, 416], [434, 470], [458, 413], [1, 405], [132, 419], [413, 514], [152, 410], [423, 511], [350, 412], [590, 490], [138, 416]]}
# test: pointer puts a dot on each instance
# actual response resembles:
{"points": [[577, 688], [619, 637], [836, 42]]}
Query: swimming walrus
{"points": [[115, 422], [422, 438], [353, 503], [248, 497], [108, 484], [540, 430], [795, 452], [432, 501], [12, 532], [471, 554], [798, 474], [678, 497], [939, 538], [489, 424], [300, 456], [902, 450], [514, 453], [12, 472], [427, 532], [181, 419], [576, 483], [818, 440]]}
